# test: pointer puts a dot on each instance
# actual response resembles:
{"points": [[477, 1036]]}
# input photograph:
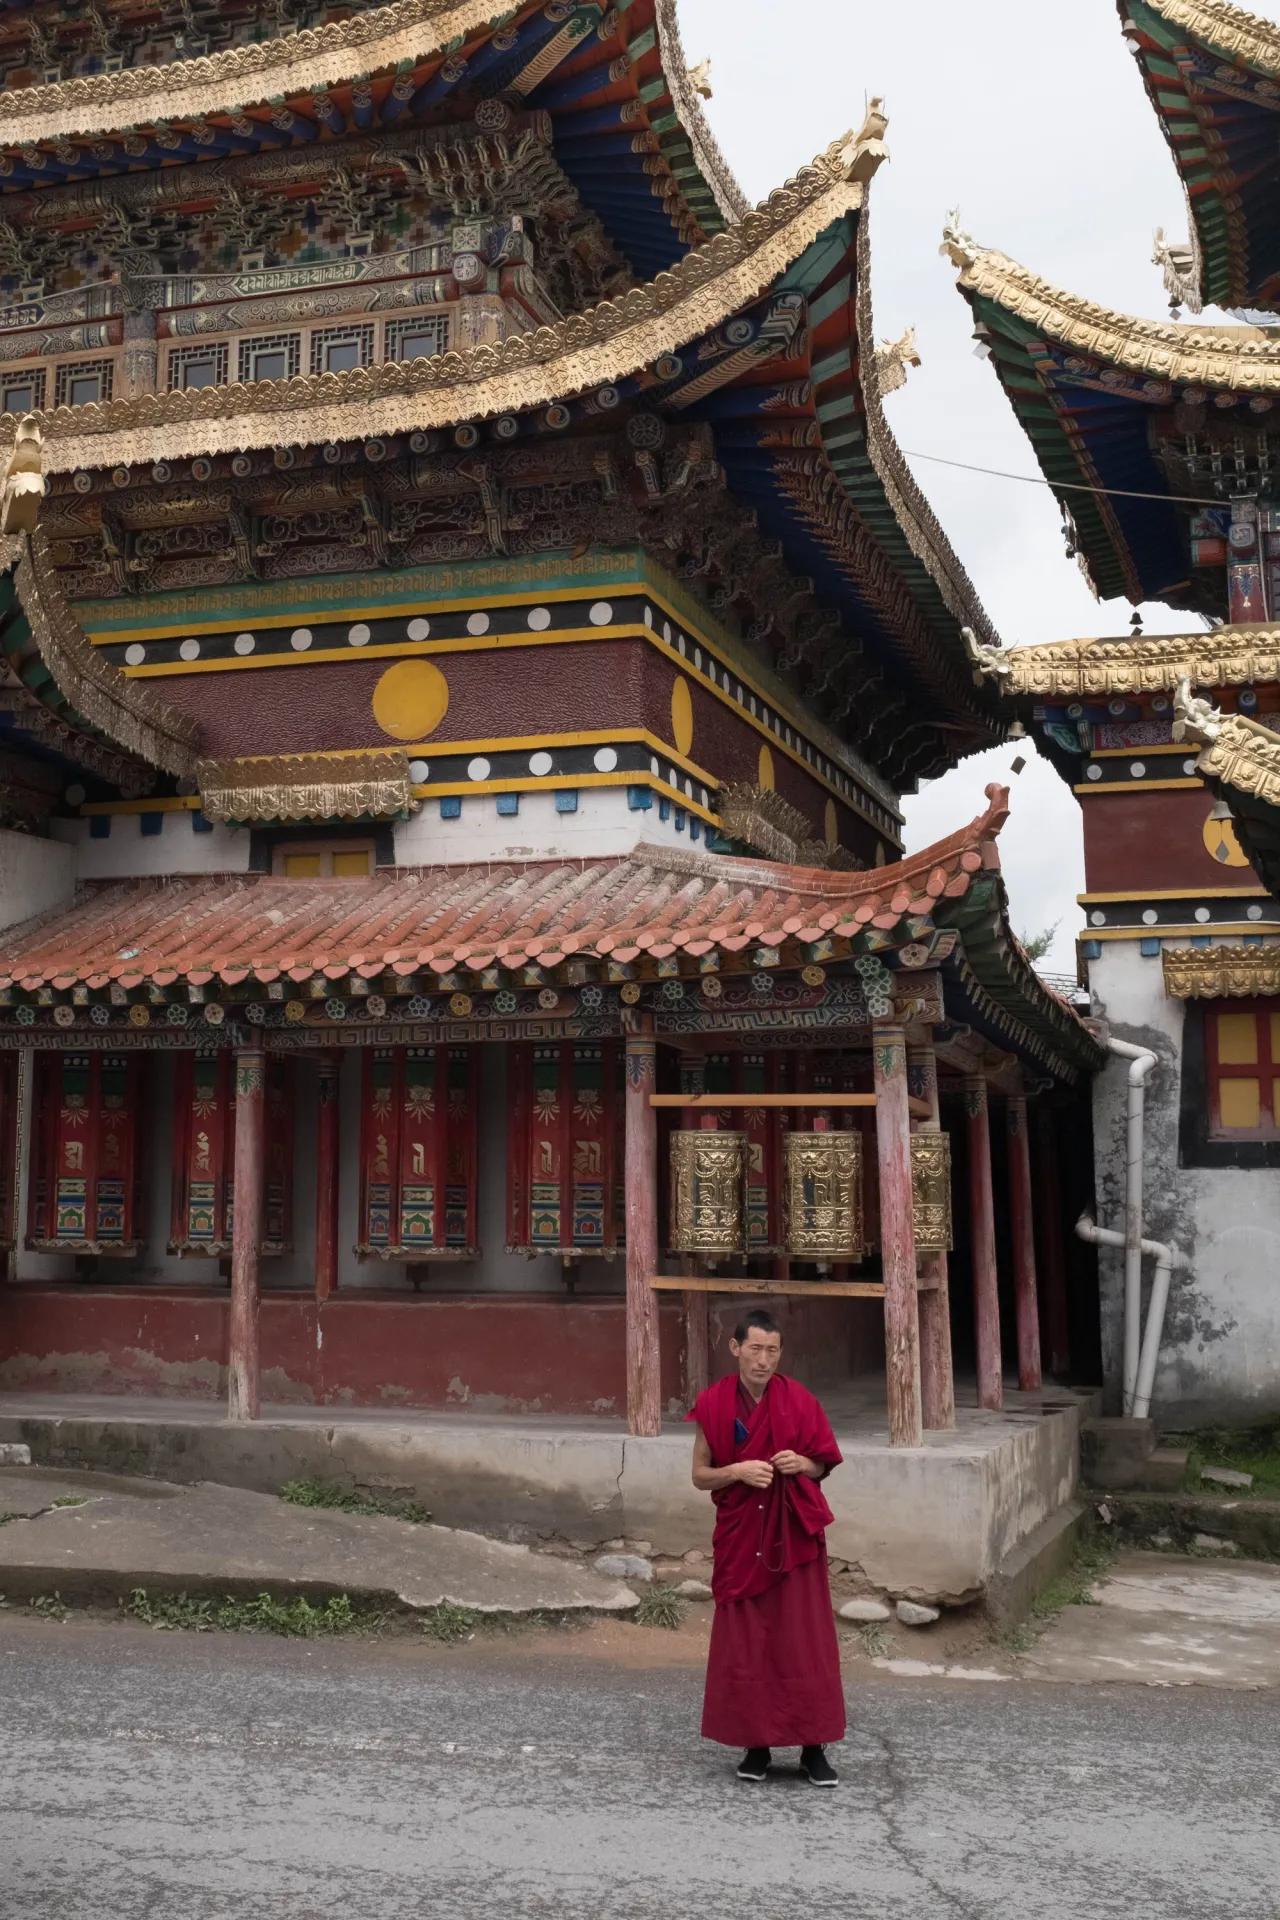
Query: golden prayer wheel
{"points": [[707, 1176], [931, 1191], [825, 1218]]}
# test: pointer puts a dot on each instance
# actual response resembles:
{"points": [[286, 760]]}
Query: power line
{"points": [[1069, 486]]}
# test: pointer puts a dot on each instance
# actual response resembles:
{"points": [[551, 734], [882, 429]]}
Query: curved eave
{"points": [[53, 658], [1083, 381], [1125, 667], [1240, 765], [1210, 71], [628, 126]]}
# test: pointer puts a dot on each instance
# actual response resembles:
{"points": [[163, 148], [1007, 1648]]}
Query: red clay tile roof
{"points": [[653, 904]]}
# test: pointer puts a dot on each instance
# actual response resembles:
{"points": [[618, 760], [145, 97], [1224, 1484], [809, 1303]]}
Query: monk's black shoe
{"points": [[754, 1764], [818, 1769]]}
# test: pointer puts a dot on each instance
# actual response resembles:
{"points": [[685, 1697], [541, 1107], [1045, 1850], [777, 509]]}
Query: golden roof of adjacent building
{"points": [[1149, 663], [1245, 36]]}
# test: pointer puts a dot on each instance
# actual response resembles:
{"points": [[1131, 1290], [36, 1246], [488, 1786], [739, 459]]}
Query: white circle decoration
{"points": [[300, 639], [134, 655], [189, 650], [1150, 917], [1137, 768], [419, 629], [418, 771], [1093, 773], [539, 619], [477, 623], [244, 643], [358, 636], [648, 616], [1188, 766], [1253, 913], [1202, 914], [601, 614], [540, 763], [74, 796], [606, 759], [478, 769], [1097, 919]]}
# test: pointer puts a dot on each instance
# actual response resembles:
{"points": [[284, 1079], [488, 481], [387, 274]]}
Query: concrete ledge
{"points": [[1034, 1562], [933, 1523], [1253, 1526]]}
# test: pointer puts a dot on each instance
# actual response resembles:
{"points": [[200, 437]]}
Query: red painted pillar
{"points": [[897, 1237], [644, 1393], [937, 1370], [246, 1234], [327, 1149], [982, 1217], [697, 1306], [1051, 1227], [1026, 1299]]}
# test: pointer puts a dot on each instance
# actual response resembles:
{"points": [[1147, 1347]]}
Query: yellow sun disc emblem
{"points": [[1223, 842]]}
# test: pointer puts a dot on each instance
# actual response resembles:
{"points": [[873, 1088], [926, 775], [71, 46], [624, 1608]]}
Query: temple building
{"points": [[1161, 443], [468, 629]]}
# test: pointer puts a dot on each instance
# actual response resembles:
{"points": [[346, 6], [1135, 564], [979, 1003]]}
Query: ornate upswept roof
{"points": [[49, 652], [1240, 763], [1210, 71], [1150, 663], [1122, 414], [607, 343]]}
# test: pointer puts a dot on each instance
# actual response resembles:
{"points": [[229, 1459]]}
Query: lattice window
{"points": [[270, 356], [339, 349], [83, 383], [204, 365], [1242, 1061], [22, 390], [418, 338]]}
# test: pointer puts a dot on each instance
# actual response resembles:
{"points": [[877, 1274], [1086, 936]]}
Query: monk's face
{"points": [[757, 1357]]}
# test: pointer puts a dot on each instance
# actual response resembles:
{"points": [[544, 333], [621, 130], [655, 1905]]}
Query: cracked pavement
{"points": [[201, 1776]]}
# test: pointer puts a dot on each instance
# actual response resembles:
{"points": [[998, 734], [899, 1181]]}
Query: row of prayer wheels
{"points": [[823, 1188]]}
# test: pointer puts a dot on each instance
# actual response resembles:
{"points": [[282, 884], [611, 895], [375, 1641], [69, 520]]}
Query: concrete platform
{"points": [[933, 1523], [1164, 1621], [126, 1534]]}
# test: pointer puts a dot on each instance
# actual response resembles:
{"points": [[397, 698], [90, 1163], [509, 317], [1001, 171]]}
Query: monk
{"points": [[773, 1673]]}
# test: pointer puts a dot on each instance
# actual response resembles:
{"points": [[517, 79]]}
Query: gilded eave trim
{"points": [[307, 786], [609, 342], [1224, 28], [1228, 359], [1221, 973], [1244, 756], [1156, 663]]}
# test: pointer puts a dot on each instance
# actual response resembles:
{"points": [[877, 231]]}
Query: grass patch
{"points": [[50, 1606], [70, 1500], [297, 1618], [661, 1607], [328, 1493], [1254, 1450], [874, 1640], [1073, 1587], [450, 1624]]}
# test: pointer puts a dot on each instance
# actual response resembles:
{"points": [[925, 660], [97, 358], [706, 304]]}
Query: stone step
{"points": [[1164, 1471], [1114, 1453]]}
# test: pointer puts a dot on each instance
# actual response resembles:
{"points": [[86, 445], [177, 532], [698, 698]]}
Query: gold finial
{"points": [[894, 358], [699, 79], [22, 489]]}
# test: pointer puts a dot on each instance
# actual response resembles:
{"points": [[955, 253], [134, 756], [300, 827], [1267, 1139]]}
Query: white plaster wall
{"points": [[1221, 1353], [36, 875], [127, 853], [603, 824]]}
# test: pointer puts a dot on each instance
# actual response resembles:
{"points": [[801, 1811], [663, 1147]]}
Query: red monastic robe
{"points": [[773, 1673]]}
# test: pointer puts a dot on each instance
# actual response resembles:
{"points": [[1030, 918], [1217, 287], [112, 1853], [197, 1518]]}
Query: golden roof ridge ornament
{"points": [[1193, 718], [894, 359], [990, 662], [1229, 28], [1180, 264], [23, 486]]}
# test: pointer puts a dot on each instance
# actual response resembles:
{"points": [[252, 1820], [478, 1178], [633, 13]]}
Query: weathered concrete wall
{"points": [[36, 875], [518, 1354], [1221, 1354], [933, 1522]]}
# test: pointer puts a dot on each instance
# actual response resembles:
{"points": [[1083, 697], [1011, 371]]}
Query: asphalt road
{"points": [[196, 1777]]}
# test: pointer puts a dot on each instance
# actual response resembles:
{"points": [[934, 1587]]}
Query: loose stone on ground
{"points": [[912, 1614]]}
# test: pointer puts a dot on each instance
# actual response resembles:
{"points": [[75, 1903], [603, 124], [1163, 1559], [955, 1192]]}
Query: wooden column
{"points": [[1022, 1229], [982, 1218], [897, 1236], [327, 1160], [1051, 1227], [696, 1306], [937, 1370], [246, 1233], [644, 1395]]}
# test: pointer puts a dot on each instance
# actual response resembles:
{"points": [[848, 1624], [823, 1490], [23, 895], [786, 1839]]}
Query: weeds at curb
{"points": [[70, 1500], [661, 1607], [1073, 1587], [450, 1624], [328, 1493], [50, 1606], [296, 1619], [874, 1641]]}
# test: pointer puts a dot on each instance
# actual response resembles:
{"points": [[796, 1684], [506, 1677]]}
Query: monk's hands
{"points": [[755, 1473], [789, 1463]]}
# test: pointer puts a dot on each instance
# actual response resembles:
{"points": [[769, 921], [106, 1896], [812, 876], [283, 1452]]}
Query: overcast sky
{"points": [[1034, 122]]}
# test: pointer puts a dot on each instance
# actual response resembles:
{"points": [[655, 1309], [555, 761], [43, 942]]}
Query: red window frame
{"points": [[1265, 1069]]}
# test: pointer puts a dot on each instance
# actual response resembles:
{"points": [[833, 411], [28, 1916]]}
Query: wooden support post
{"points": [[696, 1306], [1051, 1227], [644, 1392], [246, 1233], [982, 1226], [328, 1123], [1022, 1229], [937, 1371], [897, 1236]]}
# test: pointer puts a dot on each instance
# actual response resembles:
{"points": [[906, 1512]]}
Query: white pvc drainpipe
{"points": [[1142, 1060], [1138, 1405]]}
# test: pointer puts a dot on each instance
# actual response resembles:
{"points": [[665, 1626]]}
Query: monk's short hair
{"points": [[759, 1321]]}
